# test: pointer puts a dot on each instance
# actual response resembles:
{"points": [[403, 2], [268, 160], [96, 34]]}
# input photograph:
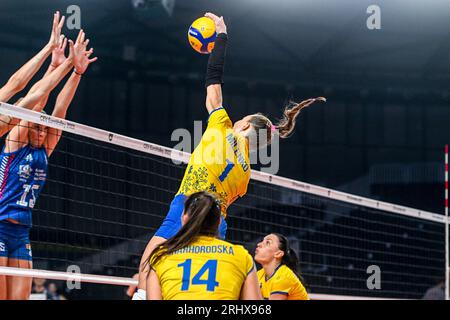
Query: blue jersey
{"points": [[22, 177]]}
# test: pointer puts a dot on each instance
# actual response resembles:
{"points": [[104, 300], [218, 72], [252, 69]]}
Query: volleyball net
{"points": [[106, 194]]}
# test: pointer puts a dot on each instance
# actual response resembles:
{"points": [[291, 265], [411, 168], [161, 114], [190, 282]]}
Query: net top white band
{"points": [[176, 155]]}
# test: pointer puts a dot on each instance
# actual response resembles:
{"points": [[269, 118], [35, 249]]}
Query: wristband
{"points": [[216, 61]]}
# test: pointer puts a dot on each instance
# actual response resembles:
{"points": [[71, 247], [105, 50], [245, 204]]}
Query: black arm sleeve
{"points": [[214, 71]]}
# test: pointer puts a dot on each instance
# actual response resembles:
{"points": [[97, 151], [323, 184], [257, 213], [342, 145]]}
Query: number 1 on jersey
{"points": [[226, 171], [210, 266]]}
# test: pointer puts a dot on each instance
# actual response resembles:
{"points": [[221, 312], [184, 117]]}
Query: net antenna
{"points": [[447, 236]]}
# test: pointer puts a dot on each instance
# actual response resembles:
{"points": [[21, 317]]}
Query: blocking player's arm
{"points": [[21, 78], [45, 86], [7, 122], [58, 57], [216, 61], [19, 134], [153, 287], [18, 81], [81, 61], [62, 104]]}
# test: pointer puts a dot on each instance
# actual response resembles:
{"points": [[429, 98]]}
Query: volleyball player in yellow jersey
{"points": [[195, 265], [279, 278], [220, 163]]}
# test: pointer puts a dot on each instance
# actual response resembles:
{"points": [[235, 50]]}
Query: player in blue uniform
{"points": [[23, 167]]}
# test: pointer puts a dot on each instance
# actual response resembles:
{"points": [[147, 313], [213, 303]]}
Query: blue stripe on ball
{"points": [[212, 38], [197, 34]]}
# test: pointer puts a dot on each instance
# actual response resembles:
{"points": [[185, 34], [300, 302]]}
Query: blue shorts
{"points": [[15, 241], [172, 223]]}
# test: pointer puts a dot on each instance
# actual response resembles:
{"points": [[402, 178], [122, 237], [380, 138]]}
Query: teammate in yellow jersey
{"points": [[220, 163], [195, 265], [279, 278]]}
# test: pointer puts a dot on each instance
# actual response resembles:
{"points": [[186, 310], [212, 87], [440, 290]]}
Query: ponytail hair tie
{"points": [[273, 128]]}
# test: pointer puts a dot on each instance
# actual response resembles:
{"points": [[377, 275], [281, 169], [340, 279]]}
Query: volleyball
{"points": [[202, 34]]}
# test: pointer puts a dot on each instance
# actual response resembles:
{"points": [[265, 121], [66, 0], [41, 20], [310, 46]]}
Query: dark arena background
{"points": [[381, 135]]}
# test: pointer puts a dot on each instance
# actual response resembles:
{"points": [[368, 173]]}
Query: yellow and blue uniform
{"points": [[283, 281], [207, 269], [219, 164]]}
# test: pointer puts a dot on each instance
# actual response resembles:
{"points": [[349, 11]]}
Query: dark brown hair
{"points": [[285, 127], [290, 258], [203, 210]]}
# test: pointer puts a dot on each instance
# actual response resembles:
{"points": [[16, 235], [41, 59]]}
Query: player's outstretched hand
{"points": [[79, 53], [58, 54], [58, 23], [218, 21]]}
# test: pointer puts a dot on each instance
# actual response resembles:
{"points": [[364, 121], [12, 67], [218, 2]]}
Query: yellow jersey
{"points": [[283, 281], [220, 163], [207, 269]]}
